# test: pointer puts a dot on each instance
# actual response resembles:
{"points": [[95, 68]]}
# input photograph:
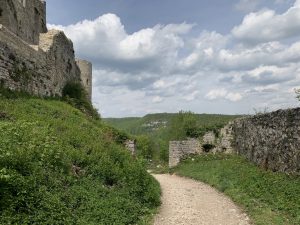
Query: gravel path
{"points": [[187, 202]]}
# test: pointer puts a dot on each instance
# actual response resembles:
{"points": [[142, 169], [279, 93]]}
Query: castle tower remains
{"points": [[86, 75], [33, 59], [25, 18]]}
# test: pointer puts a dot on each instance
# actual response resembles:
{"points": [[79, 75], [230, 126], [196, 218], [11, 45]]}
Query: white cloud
{"points": [[223, 94], [157, 99], [106, 40], [267, 88], [171, 64], [266, 25], [191, 96]]}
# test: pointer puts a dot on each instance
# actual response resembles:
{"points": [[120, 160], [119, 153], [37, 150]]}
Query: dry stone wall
{"points": [[270, 140], [180, 149]]}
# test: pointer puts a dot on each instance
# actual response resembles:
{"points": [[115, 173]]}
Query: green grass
{"points": [[59, 166], [268, 198]]}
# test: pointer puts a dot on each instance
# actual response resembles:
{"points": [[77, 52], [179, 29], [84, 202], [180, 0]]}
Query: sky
{"points": [[216, 56]]}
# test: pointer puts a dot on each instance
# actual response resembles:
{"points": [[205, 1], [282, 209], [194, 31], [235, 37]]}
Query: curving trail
{"points": [[188, 202]]}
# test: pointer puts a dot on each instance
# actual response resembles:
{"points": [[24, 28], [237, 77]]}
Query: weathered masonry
{"points": [[208, 143], [179, 149], [34, 59], [271, 141]]}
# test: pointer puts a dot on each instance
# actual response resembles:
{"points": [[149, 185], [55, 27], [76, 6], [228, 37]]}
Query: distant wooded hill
{"points": [[152, 123]]}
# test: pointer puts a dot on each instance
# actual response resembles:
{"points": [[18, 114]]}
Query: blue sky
{"points": [[206, 56]]}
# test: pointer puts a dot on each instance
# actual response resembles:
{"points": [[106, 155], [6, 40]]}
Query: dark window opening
{"points": [[1, 10], [207, 147], [87, 81]]}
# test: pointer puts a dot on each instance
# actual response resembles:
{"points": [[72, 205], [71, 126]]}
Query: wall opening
{"points": [[208, 147], [1, 11]]}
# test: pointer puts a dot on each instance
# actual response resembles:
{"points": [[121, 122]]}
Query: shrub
{"points": [[74, 94]]}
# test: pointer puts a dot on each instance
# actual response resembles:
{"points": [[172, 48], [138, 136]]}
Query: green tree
{"points": [[144, 147], [183, 125]]}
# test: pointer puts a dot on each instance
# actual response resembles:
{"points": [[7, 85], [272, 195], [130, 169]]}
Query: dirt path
{"points": [[187, 202]]}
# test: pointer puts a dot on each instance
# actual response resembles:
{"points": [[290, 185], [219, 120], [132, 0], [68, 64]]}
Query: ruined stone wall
{"points": [[26, 19], [41, 70], [225, 140], [33, 59], [270, 140], [86, 75], [209, 138], [180, 149], [131, 146], [62, 67]]}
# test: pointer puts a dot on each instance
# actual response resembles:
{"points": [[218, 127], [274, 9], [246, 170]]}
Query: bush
{"points": [[74, 94]]}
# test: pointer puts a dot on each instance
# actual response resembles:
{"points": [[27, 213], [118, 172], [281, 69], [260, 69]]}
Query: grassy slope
{"points": [[269, 198], [59, 167]]}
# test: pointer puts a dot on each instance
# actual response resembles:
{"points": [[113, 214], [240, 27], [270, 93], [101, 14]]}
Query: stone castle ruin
{"points": [[209, 143], [33, 59], [271, 141]]}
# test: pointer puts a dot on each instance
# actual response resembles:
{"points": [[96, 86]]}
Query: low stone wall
{"points": [[270, 140], [180, 149]]}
